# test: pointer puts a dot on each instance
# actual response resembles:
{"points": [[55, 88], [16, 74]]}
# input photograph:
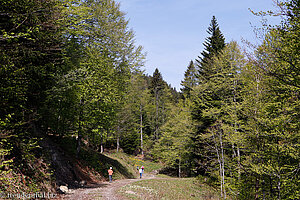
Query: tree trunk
{"points": [[279, 187], [118, 143], [239, 163], [101, 142], [78, 147], [223, 163], [156, 115], [220, 164], [179, 168], [141, 127], [256, 189], [118, 138]]}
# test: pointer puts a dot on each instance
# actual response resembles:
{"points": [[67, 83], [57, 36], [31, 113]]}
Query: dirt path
{"points": [[103, 191]]}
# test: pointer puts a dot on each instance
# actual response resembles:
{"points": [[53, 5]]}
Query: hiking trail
{"points": [[102, 191]]}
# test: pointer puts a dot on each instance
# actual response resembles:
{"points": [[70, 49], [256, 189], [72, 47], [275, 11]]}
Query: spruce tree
{"points": [[156, 87], [213, 45], [190, 80]]}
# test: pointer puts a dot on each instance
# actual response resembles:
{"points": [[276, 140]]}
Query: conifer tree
{"points": [[190, 80], [212, 46], [157, 86], [216, 107]]}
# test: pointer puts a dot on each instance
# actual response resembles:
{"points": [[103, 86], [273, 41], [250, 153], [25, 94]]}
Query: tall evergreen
{"points": [[190, 79], [157, 86], [213, 45], [157, 82]]}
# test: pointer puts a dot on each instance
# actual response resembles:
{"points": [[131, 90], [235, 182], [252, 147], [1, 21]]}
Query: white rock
{"points": [[64, 189]]}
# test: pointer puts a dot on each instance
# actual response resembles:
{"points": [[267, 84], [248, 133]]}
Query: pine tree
{"points": [[156, 87], [190, 80], [216, 108], [213, 45]]}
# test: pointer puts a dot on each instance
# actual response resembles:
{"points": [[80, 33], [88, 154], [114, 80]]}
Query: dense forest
{"points": [[72, 69]]}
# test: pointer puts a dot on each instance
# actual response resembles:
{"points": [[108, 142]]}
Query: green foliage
{"points": [[71, 68], [213, 45], [190, 80], [65, 69], [247, 116], [174, 146], [130, 143], [30, 57], [273, 85]]}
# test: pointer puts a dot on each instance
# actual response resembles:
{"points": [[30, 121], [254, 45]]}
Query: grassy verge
{"points": [[171, 188], [132, 162]]}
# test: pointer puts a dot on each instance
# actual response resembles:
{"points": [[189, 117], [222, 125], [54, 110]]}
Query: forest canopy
{"points": [[72, 69]]}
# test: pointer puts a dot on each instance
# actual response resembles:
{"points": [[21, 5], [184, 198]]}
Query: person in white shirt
{"points": [[141, 172]]}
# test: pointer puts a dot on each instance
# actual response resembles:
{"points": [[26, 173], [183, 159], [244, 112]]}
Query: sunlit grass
{"points": [[137, 162], [172, 188]]}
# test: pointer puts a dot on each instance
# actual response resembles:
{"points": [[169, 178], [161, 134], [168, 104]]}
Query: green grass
{"points": [[171, 188], [163, 176], [133, 162]]}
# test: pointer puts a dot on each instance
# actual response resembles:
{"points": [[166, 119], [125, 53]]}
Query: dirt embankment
{"points": [[68, 171]]}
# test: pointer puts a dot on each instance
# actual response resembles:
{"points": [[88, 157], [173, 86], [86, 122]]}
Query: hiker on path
{"points": [[141, 172], [142, 168], [110, 173]]}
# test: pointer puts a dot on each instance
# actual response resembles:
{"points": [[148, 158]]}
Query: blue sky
{"points": [[172, 32]]}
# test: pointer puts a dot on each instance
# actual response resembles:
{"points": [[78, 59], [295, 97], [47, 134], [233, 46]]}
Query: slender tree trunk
{"points": [[263, 190], [223, 163], [156, 115], [220, 164], [118, 144], [179, 168], [101, 142], [279, 187], [235, 130], [256, 189], [78, 147], [239, 163], [118, 138], [141, 129]]}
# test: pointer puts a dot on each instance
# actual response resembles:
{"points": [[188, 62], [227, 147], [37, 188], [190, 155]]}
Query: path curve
{"points": [[103, 191]]}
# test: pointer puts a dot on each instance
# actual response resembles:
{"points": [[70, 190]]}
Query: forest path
{"points": [[103, 191]]}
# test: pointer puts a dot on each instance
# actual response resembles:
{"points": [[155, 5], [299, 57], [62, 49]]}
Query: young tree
{"points": [[134, 114], [190, 80], [174, 145]]}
